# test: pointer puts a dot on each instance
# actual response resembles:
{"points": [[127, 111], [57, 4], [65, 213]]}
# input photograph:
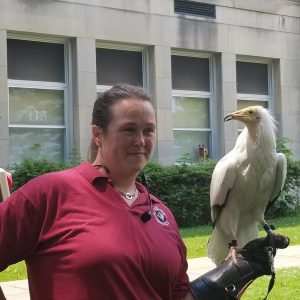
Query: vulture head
{"points": [[257, 119], [248, 115]]}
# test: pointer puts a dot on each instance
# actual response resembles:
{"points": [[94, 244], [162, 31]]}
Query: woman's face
{"points": [[130, 139]]}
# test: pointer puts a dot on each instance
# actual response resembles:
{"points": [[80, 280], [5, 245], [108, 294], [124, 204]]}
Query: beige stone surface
{"points": [[268, 29]]}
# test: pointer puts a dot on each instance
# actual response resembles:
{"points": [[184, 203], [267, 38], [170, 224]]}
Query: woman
{"points": [[93, 232]]}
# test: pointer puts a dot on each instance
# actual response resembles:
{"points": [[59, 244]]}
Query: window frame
{"points": [[125, 47], [65, 87], [210, 96], [257, 97]]}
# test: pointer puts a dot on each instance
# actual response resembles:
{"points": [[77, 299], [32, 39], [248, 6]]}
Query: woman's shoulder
{"points": [[61, 180], [51, 177], [49, 181]]}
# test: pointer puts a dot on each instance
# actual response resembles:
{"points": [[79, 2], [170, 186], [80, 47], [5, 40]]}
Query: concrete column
{"points": [[4, 133], [161, 90], [287, 105], [229, 102], [85, 93]]}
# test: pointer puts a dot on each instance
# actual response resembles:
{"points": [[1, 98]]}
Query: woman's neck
{"points": [[126, 185], [123, 182]]}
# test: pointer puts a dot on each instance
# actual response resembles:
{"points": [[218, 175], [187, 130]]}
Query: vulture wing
{"points": [[223, 179], [280, 179]]}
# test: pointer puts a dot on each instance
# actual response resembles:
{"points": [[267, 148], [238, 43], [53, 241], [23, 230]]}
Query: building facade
{"points": [[199, 59]]}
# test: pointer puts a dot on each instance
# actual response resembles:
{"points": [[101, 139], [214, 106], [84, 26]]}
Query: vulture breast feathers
{"points": [[245, 181]]}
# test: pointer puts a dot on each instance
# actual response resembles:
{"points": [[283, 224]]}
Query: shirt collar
{"points": [[93, 175], [90, 173]]}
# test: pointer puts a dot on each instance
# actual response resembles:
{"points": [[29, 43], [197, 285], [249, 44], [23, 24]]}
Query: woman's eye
{"points": [[129, 129], [149, 130]]}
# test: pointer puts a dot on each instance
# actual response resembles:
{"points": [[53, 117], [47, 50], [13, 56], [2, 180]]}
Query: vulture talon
{"points": [[233, 250], [268, 228]]}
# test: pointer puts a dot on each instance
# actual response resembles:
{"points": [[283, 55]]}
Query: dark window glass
{"points": [[38, 61], [252, 78], [116, 66], [194, 8], [190, 73]]}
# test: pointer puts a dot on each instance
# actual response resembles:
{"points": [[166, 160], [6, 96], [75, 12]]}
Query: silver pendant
{"points": [[129, 196]]}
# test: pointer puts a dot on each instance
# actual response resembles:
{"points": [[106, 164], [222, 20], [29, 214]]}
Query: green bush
{"points": [[184, 188], [30, 168]]}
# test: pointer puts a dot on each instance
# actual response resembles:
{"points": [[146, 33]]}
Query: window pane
{"points": [[252, 78], [36, 107], [190, 73], [245, 103], [117, 66], [37, 61], [188, 142], [190, 112], [37, 143]]}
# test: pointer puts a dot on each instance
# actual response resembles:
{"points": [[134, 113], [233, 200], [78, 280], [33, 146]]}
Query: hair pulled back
{"points": [[102, 111]]}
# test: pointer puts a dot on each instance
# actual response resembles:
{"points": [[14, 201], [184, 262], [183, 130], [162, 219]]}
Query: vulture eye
{"points": [[250, 112]]}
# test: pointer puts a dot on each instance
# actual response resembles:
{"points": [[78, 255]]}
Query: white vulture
{"points": [[244, 182]]}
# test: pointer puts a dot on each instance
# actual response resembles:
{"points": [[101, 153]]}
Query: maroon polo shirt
{"points": [[81, 240]]}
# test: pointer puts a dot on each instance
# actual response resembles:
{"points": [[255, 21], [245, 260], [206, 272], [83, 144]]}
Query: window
{"points": [[192, 100], [252, 78], [126, 65], [37, 99], [254, 83], [194, 8], [190, 73]]}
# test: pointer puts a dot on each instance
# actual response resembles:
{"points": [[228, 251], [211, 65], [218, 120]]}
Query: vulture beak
{"points": [[240, 115], [228, 117]]}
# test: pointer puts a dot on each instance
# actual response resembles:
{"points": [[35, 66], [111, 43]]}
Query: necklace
{"points": [[129, 196]]}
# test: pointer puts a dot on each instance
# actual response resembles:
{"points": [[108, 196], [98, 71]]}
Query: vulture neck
{"points": [[261, 135]]}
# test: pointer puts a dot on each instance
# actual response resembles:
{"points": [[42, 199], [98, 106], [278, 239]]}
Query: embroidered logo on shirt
{"points": [[160, 216]]}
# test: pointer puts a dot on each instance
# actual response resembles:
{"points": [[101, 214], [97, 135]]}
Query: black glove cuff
{"points": [[231, 278]]}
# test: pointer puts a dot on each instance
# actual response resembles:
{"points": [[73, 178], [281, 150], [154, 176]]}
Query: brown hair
{"points": [[102, 112]]}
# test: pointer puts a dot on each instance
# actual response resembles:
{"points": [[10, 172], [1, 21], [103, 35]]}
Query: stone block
{"points": [[86, 55], [164, 124], [256, 42], [86, 89], [3, 49], [4, 134], [228, 67], [45, 17], [4, 152], [164, 150], [164, 93], [3, 84]]}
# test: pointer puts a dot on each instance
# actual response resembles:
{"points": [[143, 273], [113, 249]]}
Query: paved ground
{"points": [[289, 257]]}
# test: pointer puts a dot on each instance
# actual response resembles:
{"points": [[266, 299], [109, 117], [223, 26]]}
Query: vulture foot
{"points": [[233, 250]]}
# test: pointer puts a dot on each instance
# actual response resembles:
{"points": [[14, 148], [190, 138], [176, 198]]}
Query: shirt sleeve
{"points": [[181, 287], [182, 283], [20, 225]]}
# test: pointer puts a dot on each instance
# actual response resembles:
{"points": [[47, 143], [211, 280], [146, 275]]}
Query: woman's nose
{"points": [[140, 139]]}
